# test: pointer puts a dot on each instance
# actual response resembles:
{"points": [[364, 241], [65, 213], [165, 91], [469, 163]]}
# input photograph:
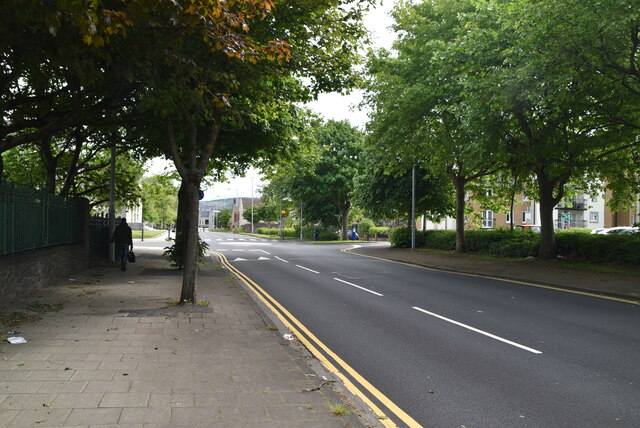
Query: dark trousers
{"points": [[122, 254]]}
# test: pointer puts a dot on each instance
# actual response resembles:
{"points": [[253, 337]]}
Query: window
{"points": [[487, 219], [525, 198], [508, 218], [526, 217], [593, 216]]}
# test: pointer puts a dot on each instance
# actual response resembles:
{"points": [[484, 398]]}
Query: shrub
{"points": [[379, 231], [176, 259], [365, 227], [440, 239], [268, 231], [325, 235], [401, 237]]}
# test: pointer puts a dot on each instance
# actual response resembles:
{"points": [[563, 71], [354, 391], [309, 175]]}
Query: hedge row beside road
{"points": [[307, 233], [620, 249]]}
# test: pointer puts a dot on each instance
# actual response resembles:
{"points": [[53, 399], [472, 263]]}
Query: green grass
{"points": [[44, 307], [602, 268], [14, 319], [339, 409], [137, 234]]}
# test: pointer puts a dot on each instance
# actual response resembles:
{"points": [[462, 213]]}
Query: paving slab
{"points": [[119, 354]]}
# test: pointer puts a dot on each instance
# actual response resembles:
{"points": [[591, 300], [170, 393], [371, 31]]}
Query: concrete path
{"points": [[119, 354]]}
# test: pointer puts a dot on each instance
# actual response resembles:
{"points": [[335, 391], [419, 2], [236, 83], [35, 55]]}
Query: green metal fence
{"points": [[32, 219]]}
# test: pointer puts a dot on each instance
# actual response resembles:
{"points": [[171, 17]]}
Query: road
{"points": [[453, 350]]}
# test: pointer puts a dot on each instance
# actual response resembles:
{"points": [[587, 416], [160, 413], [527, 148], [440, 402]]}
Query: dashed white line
{"points": [[282, 260], [361, 288], [262, 251], [305, 268], [468, 327]]}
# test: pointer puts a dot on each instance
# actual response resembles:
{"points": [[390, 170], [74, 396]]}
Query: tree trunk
{"points": [[547, 204], [460, 195], [50, 164], [190, 240], [344, 219], [1, 168]]}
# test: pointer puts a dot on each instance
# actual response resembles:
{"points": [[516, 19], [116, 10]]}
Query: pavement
{"points": [[610, 281], [119, 353]]}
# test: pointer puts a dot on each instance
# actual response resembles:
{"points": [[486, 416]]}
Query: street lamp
{"points": [[251, 204]]}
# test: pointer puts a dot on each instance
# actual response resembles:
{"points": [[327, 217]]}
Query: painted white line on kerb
{"points": [[468, 327], [310, 270], [282, 260], [361, 288]]}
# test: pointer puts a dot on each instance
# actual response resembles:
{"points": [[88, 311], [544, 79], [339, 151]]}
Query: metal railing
{"points": [[31, 219]]}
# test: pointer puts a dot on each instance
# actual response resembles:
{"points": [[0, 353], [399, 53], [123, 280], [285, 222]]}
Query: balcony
{"points": [[573, 204]]}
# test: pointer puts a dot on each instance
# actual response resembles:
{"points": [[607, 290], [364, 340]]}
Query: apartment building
{"points": [[581, 210]]}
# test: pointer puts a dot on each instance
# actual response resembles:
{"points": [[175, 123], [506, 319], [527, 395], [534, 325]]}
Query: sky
{"points": [[330, 106]]}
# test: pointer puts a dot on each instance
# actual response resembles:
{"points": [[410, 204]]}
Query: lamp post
{"points": [[252, 205], [413, 208], [301, 205]]}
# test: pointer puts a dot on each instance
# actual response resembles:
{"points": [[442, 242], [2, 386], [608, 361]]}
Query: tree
{"points": [[84, 173], [262, 214], [159, 200], [323, 182], [557, 117], [224, 218], [418, 98], [219, 79], [383, 192], [208, 84]]}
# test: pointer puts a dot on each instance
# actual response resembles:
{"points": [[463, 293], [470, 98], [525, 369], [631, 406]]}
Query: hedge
{"points": [[581, 247], [600, 248]]}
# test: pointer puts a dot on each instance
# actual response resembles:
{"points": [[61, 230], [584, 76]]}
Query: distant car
{"points": [[621, 230], [599, 231], [630, 231]]}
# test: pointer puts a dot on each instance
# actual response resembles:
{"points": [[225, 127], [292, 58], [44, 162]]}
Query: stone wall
{"points": [[23, 273]]}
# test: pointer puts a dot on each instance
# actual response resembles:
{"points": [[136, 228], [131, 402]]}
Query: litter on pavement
{"points": [[16, 340]]}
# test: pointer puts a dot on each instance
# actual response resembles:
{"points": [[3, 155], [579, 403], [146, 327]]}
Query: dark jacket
{"points": [[122, 235]]}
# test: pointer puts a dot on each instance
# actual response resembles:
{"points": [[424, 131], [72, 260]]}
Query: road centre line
{"points": [[468, 327], [361, 288], [282, 260], [305, 268]]}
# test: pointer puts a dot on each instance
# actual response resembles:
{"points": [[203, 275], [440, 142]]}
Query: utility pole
{"points": [[252, 205], [301, 204], [413, 208]]}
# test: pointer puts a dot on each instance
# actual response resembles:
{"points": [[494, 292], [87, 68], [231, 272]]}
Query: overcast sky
{"points": [[330, 106]]}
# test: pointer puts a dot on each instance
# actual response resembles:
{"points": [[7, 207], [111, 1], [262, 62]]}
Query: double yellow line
{"points": [[314, 345]]}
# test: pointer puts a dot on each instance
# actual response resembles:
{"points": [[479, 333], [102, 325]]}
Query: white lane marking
{"points": [[240, 259], [262, 251], [310, 270], [468, 327], [264, 258], [361, 288], [240, 243], [282, 260]]}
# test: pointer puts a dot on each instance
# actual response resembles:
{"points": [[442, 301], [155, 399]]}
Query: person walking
{"points": [[124, 243]]}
